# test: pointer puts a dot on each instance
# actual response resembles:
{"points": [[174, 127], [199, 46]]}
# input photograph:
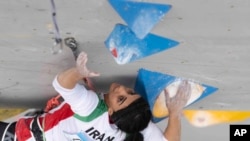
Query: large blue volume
{"points": [[150, 84], [141, 17], [126, 47]]}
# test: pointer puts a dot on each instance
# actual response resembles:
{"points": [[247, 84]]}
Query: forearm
{"points": [[69, 78], [173, 130]]}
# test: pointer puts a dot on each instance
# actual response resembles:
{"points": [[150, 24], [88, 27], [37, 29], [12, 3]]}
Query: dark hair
{"points": [[133, 119]]}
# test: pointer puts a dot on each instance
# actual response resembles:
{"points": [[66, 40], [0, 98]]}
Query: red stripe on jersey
{"points": [[52, 119], [23, 132]]}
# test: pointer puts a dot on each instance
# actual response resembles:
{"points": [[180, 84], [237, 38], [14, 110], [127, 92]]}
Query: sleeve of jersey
{"points": [[82, 101], [153, 133]]}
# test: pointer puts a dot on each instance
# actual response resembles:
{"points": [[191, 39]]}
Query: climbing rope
{"points": [[58, 44]]}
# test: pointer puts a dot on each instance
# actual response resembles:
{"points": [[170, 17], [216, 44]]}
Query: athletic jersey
{"points": [[82, 117]]}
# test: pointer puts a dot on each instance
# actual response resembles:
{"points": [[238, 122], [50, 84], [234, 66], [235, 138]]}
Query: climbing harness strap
{"points": [[9, 132], [34, 126], [36, 129]]}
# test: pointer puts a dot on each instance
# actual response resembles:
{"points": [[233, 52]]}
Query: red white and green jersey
{"points": [[82, 117]]}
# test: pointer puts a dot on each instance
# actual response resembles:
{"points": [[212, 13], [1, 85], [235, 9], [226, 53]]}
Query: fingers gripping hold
{"points": [[183, 92], [176, 103]]}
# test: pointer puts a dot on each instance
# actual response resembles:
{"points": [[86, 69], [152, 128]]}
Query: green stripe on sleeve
{"points": [[99, 110]]}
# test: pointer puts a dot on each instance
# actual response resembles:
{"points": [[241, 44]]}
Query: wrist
{"points": [[175, 115], [78, 75]]}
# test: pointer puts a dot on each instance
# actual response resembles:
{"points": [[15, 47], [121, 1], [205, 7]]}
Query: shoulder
{"points": [[100, 109], [152, 132]]}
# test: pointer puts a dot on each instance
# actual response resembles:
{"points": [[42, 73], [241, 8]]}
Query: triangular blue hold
{"points": [[126, 47], [141, 17], [150, 84]]}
